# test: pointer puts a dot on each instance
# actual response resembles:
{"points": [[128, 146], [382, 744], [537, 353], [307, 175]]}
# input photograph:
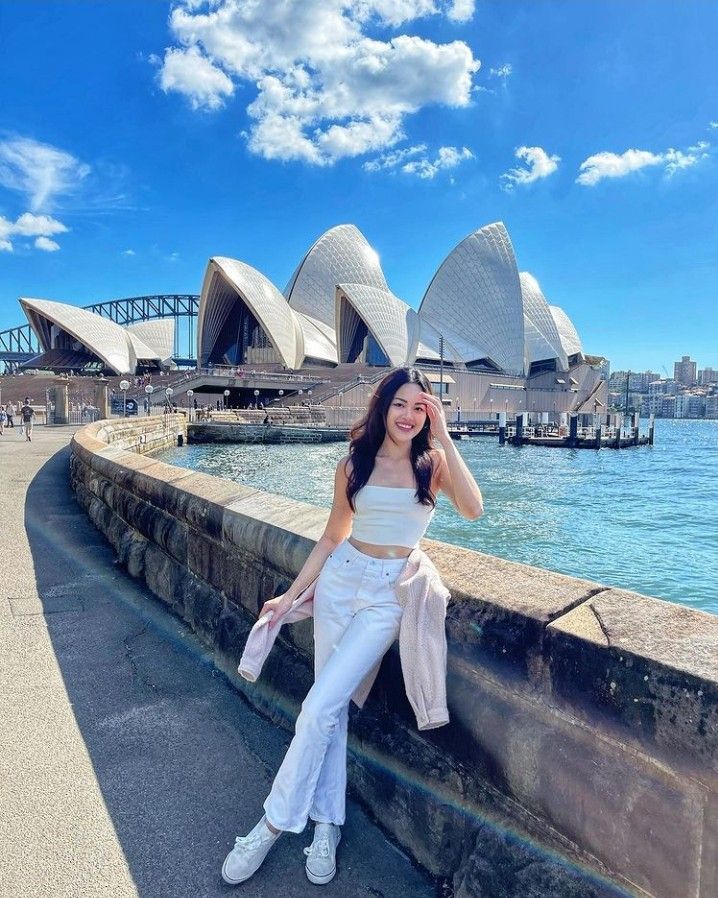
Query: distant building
{"points": [[696, 406], [711, 406], [652, 405], [708, 376], [685, 371], [637, 380]]}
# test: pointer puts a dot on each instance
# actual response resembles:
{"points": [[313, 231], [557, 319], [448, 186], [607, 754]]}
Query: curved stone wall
{"points": [[582, 756]]}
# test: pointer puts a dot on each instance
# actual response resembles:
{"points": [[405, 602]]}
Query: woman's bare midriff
{"points": [[379, 551]]}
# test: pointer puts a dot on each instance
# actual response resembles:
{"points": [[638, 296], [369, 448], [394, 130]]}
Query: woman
{"points": [[356, 612]]}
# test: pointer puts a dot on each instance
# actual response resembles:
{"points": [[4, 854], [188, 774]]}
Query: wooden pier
{"points": [[602, 436]]}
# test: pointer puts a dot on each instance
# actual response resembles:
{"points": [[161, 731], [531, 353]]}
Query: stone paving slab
{"points": [[127, 762]]}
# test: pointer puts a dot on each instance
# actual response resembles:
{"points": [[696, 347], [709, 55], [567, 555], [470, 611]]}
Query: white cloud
{"points": [[190, 73], [538, 165], [713, 125], [503, 71], [129, 252], [49, 246], [30, 225], [447, 157], [40, 171], [423, 166], [325, 90], [461, 10], [392, 12], [393, 159], [614, 165]]}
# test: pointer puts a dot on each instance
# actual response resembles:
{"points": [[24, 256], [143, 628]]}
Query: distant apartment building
{"points": [[637, 380], [708, 376], [696, 406], [685, 371], [668, 407], [712, 406], [652, 405]]}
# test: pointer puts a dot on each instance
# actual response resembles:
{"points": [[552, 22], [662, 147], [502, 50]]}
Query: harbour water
{"points": [[644, 519]]}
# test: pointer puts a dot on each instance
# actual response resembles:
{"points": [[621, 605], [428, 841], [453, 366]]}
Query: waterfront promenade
{"points": [[127, 763]]}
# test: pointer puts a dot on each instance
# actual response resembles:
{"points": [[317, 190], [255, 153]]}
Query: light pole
{"points": [[226, 397], [190, 394], [309, 393], [168, 395], [124, 386], [256, 394], [149, 390]]}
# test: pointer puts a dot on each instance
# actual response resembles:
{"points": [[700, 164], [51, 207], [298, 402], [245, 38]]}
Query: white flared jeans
{"points": [[356, 619]]}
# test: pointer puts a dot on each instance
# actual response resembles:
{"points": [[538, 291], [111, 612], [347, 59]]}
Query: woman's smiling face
{"points": [[406, 413]]}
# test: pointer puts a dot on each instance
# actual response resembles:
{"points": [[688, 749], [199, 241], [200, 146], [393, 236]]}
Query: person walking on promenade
{"points": [[3, 416], [371, 531], [27, 416], [11, 411]]}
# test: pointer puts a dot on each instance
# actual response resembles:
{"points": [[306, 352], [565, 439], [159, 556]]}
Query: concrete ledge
{"points": [[583, 718]]}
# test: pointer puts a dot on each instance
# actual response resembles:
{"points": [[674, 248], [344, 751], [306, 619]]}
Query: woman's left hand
{"points": [[437, 421]]}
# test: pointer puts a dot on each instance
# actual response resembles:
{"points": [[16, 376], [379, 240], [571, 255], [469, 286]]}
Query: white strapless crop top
{"points": [[389, 516]]}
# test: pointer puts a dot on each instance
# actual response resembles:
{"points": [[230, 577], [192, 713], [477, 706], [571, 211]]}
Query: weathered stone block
{"points": [[648, 664], [165, 577], [203, 607]]}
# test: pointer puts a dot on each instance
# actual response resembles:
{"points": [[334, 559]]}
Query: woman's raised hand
{"points": [[437, 420], [278, 605]]}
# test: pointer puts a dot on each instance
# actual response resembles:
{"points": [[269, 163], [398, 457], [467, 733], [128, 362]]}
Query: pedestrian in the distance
{"points": [[27, 416], [11, 411], [371, 531], [3, 418]]}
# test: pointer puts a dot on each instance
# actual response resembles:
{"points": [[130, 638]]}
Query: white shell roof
{"points": [[141, 350], [425, 344], [541, 334], [475, 301], [341, 255], [158, 335], [570, 340], [224, 281], [320, 340], [386, 316], [102, 337]]}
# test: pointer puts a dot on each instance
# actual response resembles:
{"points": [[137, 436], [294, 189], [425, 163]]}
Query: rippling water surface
{"points": [[645, 518]]}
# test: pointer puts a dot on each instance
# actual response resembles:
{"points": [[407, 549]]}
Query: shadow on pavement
{"points": [[182, 762]]}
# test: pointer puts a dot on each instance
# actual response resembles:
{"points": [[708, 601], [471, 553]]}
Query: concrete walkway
{"points": [[127, 763]]}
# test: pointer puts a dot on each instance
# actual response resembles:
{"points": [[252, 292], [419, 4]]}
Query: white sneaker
{"points": [[321, 862], [248, 853]]}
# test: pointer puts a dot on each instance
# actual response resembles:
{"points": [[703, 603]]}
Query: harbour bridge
{"points": [[19, 344]]}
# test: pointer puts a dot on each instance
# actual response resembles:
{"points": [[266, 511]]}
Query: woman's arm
{"points": [[454, 478], [338, 527]]}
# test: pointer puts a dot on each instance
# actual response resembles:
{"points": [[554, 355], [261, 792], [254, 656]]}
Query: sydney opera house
{"points": [[74, 339], [488, 323], [337, 308], [480, 317]]}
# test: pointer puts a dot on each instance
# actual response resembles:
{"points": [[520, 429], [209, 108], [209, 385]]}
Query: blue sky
{"points": [[139, 138]]}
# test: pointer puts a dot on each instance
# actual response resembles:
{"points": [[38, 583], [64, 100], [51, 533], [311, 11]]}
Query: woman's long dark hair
{"points": [[368, 434]]}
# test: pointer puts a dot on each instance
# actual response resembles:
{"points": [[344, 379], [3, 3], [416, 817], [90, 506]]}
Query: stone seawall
{"points": [[263, 433], [582, 756]]}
